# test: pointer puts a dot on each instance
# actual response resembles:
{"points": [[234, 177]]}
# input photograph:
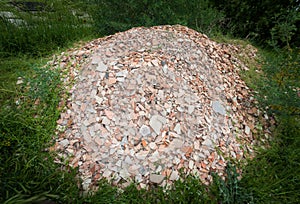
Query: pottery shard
{"points": [[156, 123], [155, 178]]}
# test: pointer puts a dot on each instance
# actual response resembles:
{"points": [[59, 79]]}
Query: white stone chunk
{"points": [[247, 130], [207, 142], [101, 67], [177, 129], [191, 109], [152, 146], [64, 142], [145, 131], [156, 123], [155, 178], [141, 155], [174, 176], [218, 108], [191, 164], [176, 143], [124, 174]]}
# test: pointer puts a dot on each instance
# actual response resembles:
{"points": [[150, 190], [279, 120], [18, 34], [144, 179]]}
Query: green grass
{"points": [[28, 173]]}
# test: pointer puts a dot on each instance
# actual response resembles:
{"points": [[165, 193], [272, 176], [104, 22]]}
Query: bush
{"points": [[114, 16], [40, 32]]}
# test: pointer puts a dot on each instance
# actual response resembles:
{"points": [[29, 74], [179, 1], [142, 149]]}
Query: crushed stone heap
{"points": [[149, 101]]}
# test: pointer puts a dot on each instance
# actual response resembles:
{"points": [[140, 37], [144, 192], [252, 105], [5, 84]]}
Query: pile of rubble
{"points": [[140, 105]]}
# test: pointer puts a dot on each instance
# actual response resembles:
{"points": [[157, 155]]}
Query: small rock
{"points": [[64, 142], [124, 174], [95, 60], [106, 173], [109, 114], [145, 130], [218, 108], [174, 176], [154, 178], [152, 146], [123, 74], [207, 143], [191, 109], [176, 160], [154, 157], [176, 143], [247, 130], [156, 123], [105, 121], [197, 145], [141, 155], [180, 109], [177, 129], [191, 164], [99, 100], [86, 184], [101, 67], [128, 160], [20, 81]]}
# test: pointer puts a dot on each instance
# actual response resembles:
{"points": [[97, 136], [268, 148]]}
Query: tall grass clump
{"points": [[36, 33], [27, 171], [274, 174], [115, 16]]}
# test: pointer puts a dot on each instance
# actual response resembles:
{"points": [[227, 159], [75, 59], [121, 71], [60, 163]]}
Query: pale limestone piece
{"points": [[106, 173], [152, 146], [156, 123], [141, 155], [191, 164], [174, 176], [155, 178], [109, 114], [177, 129], [124, 174], [128, 160], [64, 142], [105, 121], [145, 131], [154, 157], [119, 163], [247, 130], [133, 169], [180, 109], [99, 100], [191, 109], [176, 143], [207, 142], [86, 184], [197, 145], [218, 107], [101, 67], [138, 178], [176, 160], [96, 60]]}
